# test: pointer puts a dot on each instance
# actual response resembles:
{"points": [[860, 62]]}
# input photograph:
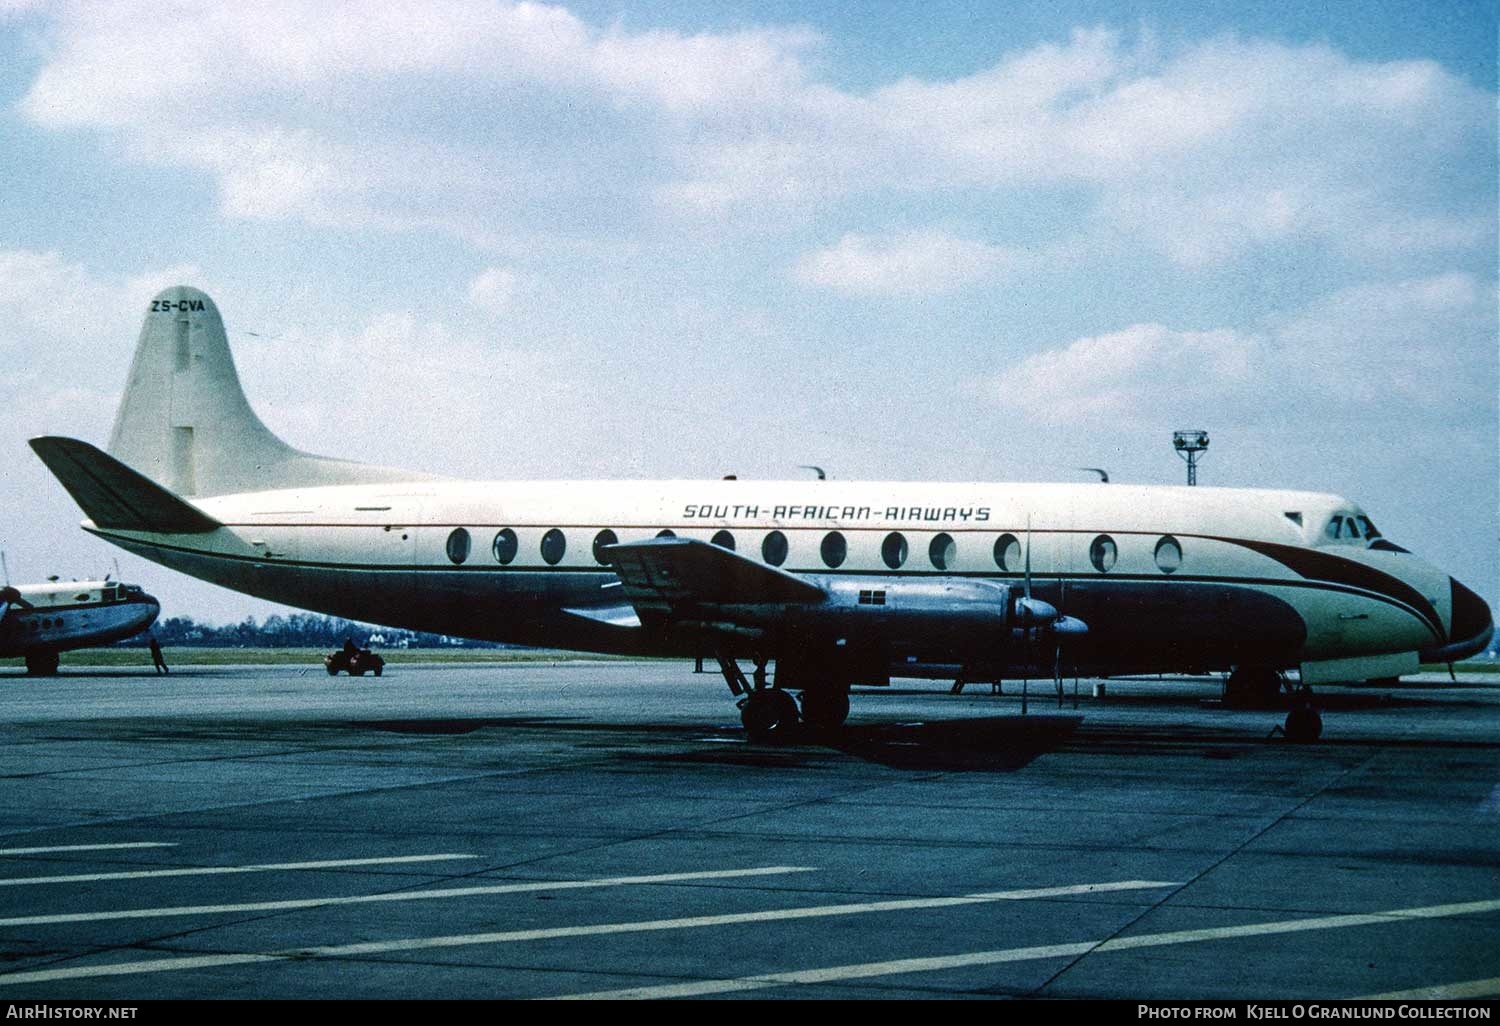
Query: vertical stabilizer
{"points": [[184, 421]]}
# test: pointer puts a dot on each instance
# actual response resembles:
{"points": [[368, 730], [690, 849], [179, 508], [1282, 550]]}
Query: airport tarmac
{"points": [[578, 829]]}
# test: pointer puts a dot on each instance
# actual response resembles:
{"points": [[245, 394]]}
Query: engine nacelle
{"points": [[943, 610]]}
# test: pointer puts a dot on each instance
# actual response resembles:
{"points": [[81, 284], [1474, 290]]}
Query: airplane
{"points": [[39, 621], [835, 582]]}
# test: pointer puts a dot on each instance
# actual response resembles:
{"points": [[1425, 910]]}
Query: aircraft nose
{"points": [[1473, 627], [150, 608]]}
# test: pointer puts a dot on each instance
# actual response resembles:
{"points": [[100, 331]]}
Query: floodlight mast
{"points": [[1189, 444]]}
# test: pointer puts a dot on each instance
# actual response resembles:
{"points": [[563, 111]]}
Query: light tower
{"points": [[1188, 445]]}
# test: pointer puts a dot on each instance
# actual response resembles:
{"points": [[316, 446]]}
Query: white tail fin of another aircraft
{"points": [[184, 421]]}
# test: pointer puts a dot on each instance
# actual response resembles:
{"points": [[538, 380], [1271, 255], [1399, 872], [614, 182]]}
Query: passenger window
{"points": [[1168, 554], [835, 549], [1103, 553], [458, 545], [603, 540], [773, 550], [943, 552], [893, 550], [1008, 553], [504, 546], [724, 540], [554, 544]]}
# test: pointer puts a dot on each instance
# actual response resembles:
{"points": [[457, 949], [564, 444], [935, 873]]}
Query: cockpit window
{"points": [[1351, 528]]}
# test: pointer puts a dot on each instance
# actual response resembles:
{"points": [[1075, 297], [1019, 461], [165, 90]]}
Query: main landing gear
{"points": [[42, 664], [825, 708], [770, 713]]}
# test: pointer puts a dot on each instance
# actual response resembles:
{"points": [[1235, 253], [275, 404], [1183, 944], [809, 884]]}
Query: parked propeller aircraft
{"points": [[39, 621], [834, 582]]}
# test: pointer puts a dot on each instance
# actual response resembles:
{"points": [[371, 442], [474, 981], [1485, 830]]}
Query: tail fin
{"points": [[113, 495], [184, 421]]}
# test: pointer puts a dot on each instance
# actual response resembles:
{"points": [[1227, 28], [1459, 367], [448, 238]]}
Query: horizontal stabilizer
{"points": [[677, 575], [114, 496]]}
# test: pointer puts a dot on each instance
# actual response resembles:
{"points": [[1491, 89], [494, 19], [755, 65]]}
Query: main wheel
{"points": [[42, 664], [769, 714], [1303, 725], [825, 708]]}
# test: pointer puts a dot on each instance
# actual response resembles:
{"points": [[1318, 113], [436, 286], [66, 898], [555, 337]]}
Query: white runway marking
{"points": [[87, 847], [1442, 992], [362, 899], [270, 867], [599, 929], [835, 974]]}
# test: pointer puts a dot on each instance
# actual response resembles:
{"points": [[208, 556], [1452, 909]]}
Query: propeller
{"points": [[1041, 620], [11, 597]]}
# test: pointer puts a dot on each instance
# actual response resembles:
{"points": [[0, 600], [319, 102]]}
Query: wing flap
{"points": [[679, 576], [623, 615], [114, 496]]}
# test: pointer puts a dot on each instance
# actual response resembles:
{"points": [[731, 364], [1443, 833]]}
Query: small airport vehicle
{"points": [[356, 664]]}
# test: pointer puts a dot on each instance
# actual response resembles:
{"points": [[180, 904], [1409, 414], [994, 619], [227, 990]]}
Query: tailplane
{"points": [[114, 496], [184, 421]]}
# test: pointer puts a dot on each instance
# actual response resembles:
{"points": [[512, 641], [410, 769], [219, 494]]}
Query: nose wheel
{"points": [[1303, 723]]}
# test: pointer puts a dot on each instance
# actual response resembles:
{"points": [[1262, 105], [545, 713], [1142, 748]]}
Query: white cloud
{"points": [[51, 306], [483, 119], [919, 263], [493, 289], [1419, 353]]}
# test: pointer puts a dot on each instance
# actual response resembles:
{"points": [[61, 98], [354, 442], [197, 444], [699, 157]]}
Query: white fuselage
{"points": [[1165, 577]]}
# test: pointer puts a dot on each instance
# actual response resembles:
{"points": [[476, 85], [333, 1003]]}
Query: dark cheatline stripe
{"points": [[1321, 566]]}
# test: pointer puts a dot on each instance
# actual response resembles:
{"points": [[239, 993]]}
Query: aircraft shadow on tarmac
{"points": [[998, 743]]}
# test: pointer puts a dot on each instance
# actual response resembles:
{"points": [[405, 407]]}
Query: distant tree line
{"points": [[296, 630]]}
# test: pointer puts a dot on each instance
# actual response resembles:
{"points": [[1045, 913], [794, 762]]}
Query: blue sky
{"points": [[935, 241]]}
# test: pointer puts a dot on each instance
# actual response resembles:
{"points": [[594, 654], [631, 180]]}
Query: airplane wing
{"points": [[681, 578], [113, 495]]}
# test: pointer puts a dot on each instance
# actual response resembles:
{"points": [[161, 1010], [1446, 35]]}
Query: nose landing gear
{"points": [[1303, 723]]}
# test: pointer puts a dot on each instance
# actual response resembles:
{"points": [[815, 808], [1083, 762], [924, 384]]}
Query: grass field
{"points": [[314, 657], [304, 656]]}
